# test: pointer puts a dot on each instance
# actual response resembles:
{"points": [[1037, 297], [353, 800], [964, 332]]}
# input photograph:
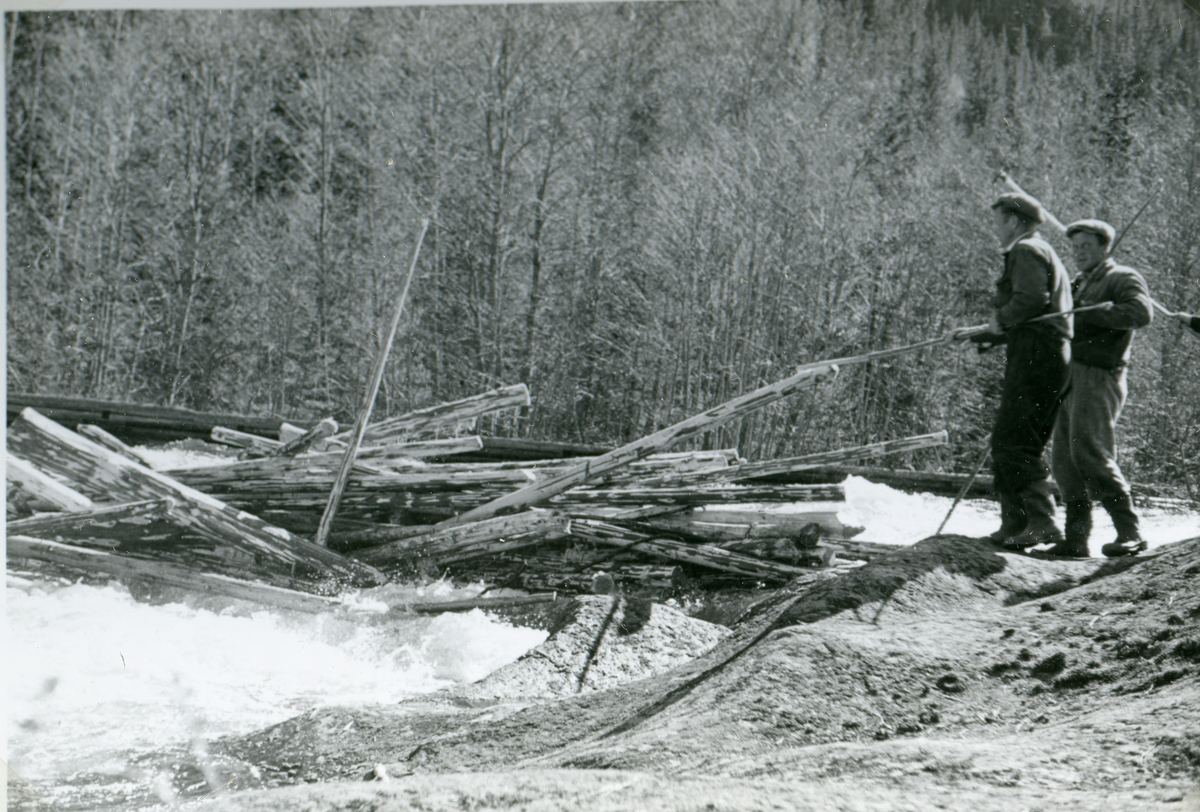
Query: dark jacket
{"points": [[1104, 338], [1034, 283]]}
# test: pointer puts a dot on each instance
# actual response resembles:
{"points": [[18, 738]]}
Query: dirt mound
{"points": [[597, 642], [951, 669]]}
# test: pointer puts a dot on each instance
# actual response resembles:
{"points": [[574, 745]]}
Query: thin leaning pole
{"points": [[364, 410]]}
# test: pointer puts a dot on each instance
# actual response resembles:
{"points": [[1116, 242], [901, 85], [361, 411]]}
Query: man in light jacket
{"points": [[1084, 455]]}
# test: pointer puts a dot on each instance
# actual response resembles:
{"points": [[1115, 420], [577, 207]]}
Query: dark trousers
{"points": [[1036, 375]]}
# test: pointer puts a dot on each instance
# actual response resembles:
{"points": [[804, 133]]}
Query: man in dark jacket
{"points": [[1084, 456], [1033, 284]]}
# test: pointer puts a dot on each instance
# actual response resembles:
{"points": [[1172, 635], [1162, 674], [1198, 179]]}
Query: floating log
{"points": [[640, 449], [374, 536], [705, 496], [91, 561], [733, 525], [463, 542], [442, 416], [99, 471], [68, 522], [752, 470], [713, 557], [42, 491], [109, 441], [302, 443], [439, 607], [242, 439], [630, 578], [785, 550], [133, 422]]}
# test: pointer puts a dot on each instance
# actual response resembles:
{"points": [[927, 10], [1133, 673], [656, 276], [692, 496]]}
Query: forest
{"points": [[641, 210]]}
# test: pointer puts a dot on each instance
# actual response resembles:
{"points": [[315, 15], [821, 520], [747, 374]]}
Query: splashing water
{"points": [[92, 674]]}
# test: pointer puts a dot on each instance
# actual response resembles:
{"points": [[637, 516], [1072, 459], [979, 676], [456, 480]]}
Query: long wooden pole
{"points": [[364, 411], [804, 378]]}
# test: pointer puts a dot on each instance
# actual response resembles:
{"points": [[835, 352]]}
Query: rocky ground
{"points": [[947, 675]]}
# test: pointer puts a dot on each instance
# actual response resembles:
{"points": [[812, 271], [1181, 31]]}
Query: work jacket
{"points": [[1104, 338], [1034, 283]]}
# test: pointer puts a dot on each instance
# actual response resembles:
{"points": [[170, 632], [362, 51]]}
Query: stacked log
{"points": [[641, 518]]}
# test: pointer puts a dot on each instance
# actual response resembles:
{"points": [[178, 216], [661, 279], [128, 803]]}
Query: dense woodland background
{"points": [[641, 210]]}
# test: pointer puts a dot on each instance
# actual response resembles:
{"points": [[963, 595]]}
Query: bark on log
{"points": [[709, 496], [98, 471], [162, 574], [751, 470], [439, 607], [732, 525], [463, 542], [659, 441], [67, 522], [713, 557], [630, 578], [444, 415], [42, 489], [785, 550], [504, 448], [316, 474]]}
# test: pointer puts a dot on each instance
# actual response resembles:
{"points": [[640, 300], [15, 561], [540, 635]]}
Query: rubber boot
{"points": [[1038, 501], [1078, 529], [1012, 518], [1129, 539]]}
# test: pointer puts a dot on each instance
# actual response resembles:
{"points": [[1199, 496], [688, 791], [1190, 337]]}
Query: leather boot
{"points": [[1038, 501], [1078, 529], [1012, 518], [1129, 539]]}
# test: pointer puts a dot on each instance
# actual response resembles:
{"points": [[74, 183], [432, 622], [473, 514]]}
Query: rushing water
{"points": [[93, 676]]}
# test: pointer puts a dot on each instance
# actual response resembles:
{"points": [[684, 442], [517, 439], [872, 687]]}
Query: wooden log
{"points": [[242, 439], [630, 578], [127, 569], [705, 496], [733, 525], [41, 489], [504, 448], [713, 557], [316, 474], [96, 470], [440, 607], [752, 470], [463, 542], [130, 420], [640, 449], [67, 522], [109, 441], [302, 443], [785, 550], [374, 536], [288, 432], [444, 415]]}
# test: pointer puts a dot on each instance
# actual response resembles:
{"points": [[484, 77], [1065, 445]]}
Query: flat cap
{"points": [[1023, 205], [1098, 227]]}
